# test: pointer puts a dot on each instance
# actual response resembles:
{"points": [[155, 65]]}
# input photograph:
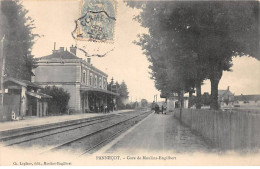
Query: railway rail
{"points": [[104, 129], [34, 133], [92, 148], [95, 147], [37, 131]]}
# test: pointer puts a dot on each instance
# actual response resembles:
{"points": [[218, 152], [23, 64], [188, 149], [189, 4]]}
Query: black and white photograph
{"points": [[129, 83]]}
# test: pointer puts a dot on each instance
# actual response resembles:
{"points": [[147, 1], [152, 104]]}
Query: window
{"points": [[90, 79], [105, 84], [100, 82], [84, 76], [95, 81], [87, 77]]}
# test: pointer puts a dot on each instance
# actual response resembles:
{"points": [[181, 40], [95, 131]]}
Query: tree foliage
{"points": [[205, 100], [192, 41], [17, 28], [123, 95], [60, 99], [144, 103], [122, 90]]}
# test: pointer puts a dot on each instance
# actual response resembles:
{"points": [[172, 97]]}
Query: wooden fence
{"points": [[227, 130]]}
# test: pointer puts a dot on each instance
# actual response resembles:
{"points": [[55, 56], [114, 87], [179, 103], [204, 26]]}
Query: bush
{"points": [[128, 106], [60, 99]]}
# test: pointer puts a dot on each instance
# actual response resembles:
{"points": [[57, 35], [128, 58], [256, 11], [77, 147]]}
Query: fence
{"points": [[227, 130]]}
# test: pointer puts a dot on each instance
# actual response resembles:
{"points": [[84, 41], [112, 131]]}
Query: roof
{"points": [[222, 92], [60, 55], [39, 95], [24, 83], [98, 90], [247, 97]]}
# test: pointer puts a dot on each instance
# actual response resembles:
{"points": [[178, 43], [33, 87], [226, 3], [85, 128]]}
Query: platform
{"points": [[38, 121]]}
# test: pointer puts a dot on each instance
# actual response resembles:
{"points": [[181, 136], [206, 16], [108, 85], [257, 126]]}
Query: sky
{"points": [[54, 21]]}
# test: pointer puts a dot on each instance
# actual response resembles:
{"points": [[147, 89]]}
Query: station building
{"points": [[86, 84], [22, 98]]}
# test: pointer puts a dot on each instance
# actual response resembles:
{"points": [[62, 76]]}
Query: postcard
{"points": [[129, 83]]}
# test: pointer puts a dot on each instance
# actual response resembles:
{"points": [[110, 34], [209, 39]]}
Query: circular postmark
{"points": [[96, 22]]}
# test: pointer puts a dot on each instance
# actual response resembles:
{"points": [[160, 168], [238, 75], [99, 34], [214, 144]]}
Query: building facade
{"points": [[22, 98], [247, 101], [225, 98], [86, 84]]}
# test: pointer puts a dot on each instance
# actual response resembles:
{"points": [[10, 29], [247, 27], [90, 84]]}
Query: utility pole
{"points": [[2, 70], [155, 98]]}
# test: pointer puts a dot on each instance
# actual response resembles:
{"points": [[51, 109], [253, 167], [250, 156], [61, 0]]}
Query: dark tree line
{"points": [[60, 99], [122, 90], [189, 42], [17, 28]]}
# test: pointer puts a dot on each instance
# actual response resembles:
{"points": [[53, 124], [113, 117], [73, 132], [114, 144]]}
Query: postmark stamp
{"points": [[96, 22]]}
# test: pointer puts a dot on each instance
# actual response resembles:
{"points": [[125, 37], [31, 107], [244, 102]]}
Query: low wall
{"points": [[227, 130]]}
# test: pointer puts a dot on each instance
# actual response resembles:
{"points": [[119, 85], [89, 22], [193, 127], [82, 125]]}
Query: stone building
{"points": [[22, 98], [86, 84], [225, 98], [247, 101]]}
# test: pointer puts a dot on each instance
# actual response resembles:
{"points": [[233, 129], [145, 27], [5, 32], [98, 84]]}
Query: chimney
{"points": [[61, 49], [73, 49], [228, 88], [54, 48], [89, 60]]}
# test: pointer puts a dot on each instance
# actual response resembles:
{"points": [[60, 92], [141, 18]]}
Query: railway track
{"points": [[40, 133], [95, 147], [92, 148], [98, 131]]}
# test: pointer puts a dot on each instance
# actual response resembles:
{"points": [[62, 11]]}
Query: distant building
{"points": [[172, 101], [225, 98], [247, 100], [86, 84]]}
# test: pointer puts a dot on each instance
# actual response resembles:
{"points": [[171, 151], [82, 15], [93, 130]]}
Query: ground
{"points": [[158, 133]]}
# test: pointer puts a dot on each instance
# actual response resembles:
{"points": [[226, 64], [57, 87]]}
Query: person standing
{"points": [[165, 107], [162, 108], [156, 108], [102, 108]]}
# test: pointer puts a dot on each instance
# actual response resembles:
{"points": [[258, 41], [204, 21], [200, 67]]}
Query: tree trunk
{"points": [[180, 98], [198, 95], [214, 94], [190, 96]]}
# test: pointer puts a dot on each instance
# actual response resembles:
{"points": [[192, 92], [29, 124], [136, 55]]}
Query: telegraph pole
{"points": [[155, 98], [2, 70]]}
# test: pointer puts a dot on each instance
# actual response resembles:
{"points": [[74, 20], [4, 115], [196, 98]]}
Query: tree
{"points": [[210, 31], [173, 66], [60, 99], [223, 30], [110, 84], [144, 103], [122, 90], [123, 95], [206, 99], [135, 105], [17, 28]]}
